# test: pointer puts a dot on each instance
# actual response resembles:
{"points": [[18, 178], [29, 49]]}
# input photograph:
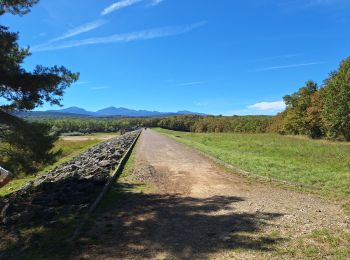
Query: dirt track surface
{"points": [[196, 210]]}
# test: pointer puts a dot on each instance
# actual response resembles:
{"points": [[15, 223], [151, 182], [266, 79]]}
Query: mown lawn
{"points": [[322, 164], [69, 149]]}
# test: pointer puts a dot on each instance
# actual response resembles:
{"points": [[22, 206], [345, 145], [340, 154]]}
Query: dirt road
{"points": [[193, 209]]}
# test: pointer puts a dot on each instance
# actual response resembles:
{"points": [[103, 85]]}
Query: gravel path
{"points": [[196, 210]]}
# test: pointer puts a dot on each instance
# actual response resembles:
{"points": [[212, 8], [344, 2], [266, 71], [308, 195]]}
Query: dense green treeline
{"points": [[218, 124], [95, 125], [319, 111], [188, 123]]}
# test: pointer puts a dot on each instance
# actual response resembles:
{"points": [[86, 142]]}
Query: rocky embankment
{"points": [[66, 190]]}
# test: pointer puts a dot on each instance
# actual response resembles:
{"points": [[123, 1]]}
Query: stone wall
{"points": [[67, 189]]}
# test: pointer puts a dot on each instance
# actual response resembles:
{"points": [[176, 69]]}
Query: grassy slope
{"points": [[69, 150], [322, 164]]}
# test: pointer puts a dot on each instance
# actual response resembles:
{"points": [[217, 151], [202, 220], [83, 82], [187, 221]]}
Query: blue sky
{"points": [[213, 56]]}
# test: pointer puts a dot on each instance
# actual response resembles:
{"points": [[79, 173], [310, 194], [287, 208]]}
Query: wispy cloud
{"points": [[126, 3], [126, 37], [193, 83], [71, 33], [263, 106], [290, 66], [119, 5], [100, 88], [156, 2], [79, 30]]}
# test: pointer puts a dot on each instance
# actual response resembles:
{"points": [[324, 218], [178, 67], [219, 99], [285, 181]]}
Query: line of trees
{"points": [[94, 125], [188, 123], [218, 124]]}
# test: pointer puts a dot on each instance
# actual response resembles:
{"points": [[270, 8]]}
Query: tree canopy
{"points": [[319, 112], [25, 90], [23, 145], [336, 99], [16, 6]]}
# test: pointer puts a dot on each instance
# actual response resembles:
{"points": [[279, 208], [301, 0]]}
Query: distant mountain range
{"points": [[105, 112]]}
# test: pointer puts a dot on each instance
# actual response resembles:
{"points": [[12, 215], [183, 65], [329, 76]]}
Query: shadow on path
{"points": [[140, 225]]}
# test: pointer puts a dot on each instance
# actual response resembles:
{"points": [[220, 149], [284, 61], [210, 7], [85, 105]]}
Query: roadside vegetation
{"points": [[323, 165]]}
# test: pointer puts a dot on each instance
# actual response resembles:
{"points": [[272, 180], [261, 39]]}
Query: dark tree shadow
{"points": [[141, 225], [40, 220], [131, 224]]}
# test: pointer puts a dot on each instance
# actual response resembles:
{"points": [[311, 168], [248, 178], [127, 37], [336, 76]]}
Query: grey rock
{"points": [[105, 163]]}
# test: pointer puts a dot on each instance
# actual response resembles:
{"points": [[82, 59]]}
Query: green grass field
{"points": [[321, 164], [69, 147]]}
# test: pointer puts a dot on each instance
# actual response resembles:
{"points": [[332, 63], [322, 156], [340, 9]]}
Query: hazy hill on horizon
{"points": [[105, 112]]}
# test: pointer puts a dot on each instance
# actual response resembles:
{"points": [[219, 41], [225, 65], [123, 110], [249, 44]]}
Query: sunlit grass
{"points": [[320, 244]]}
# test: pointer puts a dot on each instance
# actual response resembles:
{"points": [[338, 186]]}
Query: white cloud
{"points": [[126, 37], [263, 106], [79, 30], [119, 5], [290, 66]]}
